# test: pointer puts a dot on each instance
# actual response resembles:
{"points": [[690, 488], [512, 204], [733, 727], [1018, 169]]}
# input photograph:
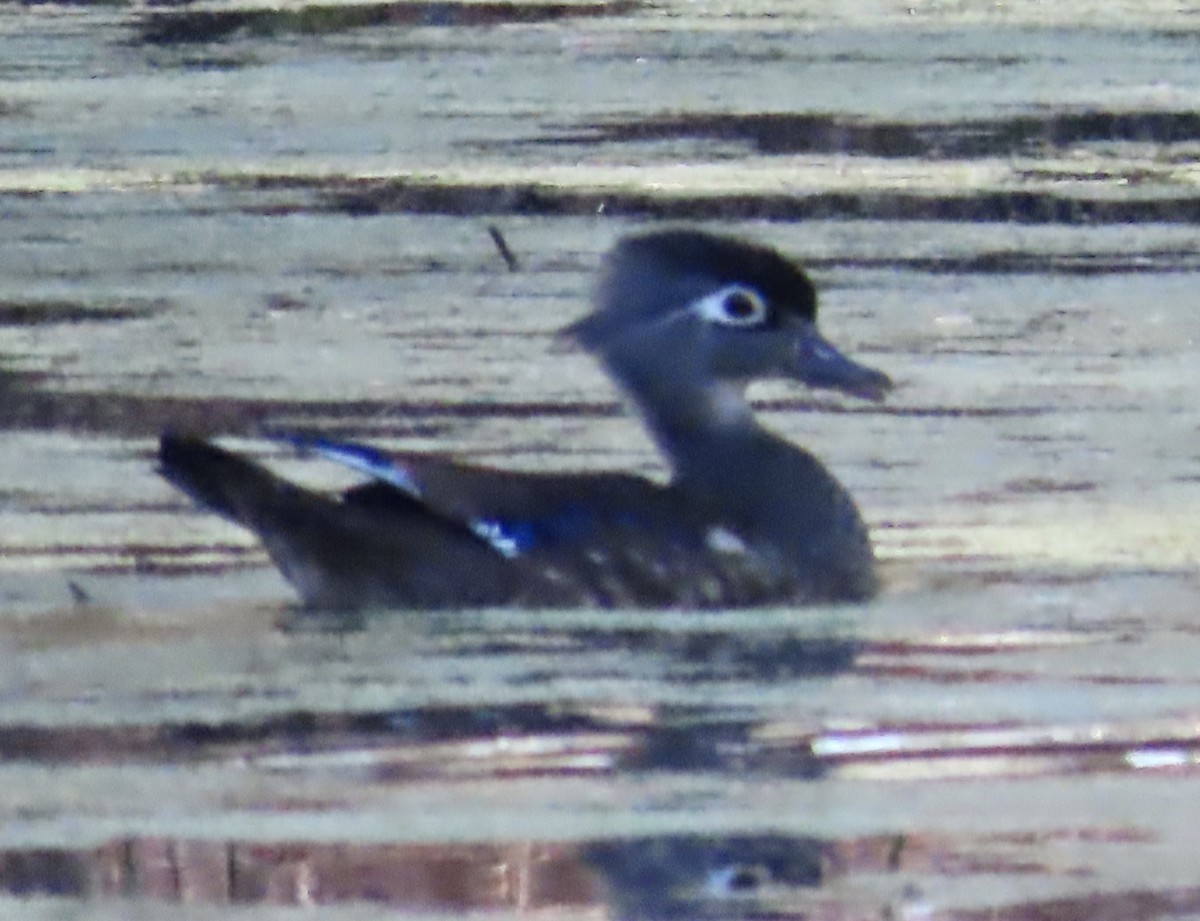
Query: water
{"points": [[289, 228]]}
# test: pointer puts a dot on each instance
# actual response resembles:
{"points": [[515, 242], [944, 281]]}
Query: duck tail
{"points": [[340, 554], [307, 534], [231, 486]]}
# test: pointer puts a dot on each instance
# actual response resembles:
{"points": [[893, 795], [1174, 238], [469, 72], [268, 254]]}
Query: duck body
{"points": [[683, 320]]}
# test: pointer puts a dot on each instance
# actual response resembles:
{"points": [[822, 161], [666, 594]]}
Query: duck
{"points": [[682, 320]]}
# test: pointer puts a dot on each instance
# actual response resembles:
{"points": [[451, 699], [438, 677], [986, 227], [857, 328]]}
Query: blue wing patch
{"points": [[364, 459], [570, 523], [508, 538], [512, 537]]}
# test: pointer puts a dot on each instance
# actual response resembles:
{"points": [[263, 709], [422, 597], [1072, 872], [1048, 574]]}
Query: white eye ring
{"points": [[733, 305]]}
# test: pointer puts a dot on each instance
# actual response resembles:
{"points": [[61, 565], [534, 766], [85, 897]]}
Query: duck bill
{"points": [[820, 365]]}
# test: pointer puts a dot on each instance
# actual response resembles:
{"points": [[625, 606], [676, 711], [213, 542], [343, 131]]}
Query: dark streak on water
{"points": [[184, 26], [49, 313], [1032, 263], [27, 407], [362, 197], [814, 133]]}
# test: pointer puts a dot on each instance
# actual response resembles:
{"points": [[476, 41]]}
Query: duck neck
{"points": [[687, 418]]}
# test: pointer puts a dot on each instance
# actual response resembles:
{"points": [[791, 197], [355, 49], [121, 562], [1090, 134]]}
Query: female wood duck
{"points": [[683, 320]]}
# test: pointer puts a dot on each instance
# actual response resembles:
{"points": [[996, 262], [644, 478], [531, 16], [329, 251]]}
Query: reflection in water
{"points": [[661, 877], [693, 655], [636, 879], [700, 656], [447, 877], [687, 876]]}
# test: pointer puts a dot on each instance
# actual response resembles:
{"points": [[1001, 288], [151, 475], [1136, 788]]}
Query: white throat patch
{"points": [[727, 404]]}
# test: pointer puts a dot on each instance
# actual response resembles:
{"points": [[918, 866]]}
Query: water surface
{"points": [[240, 222]]}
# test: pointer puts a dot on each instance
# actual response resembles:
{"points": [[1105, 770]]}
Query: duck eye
{"points": [[734, 306]]}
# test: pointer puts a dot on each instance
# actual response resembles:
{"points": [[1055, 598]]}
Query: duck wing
{"points": [[611, 539], [430, 533]]}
